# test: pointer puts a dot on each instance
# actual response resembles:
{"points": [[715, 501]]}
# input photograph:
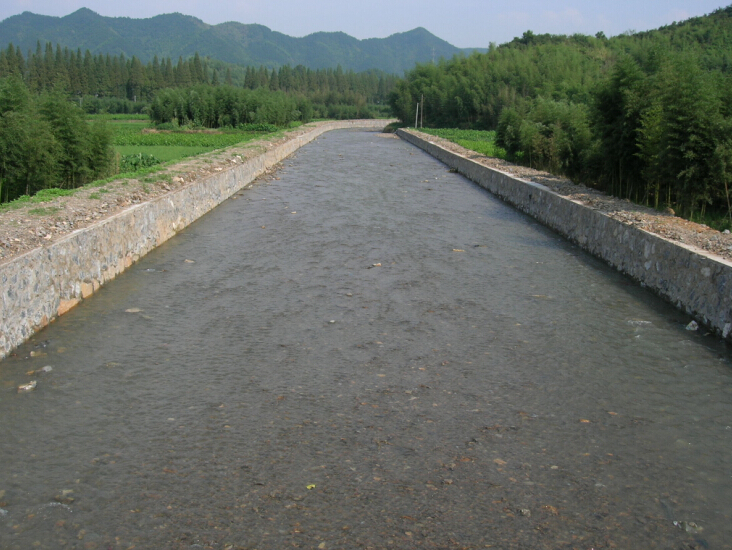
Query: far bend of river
{"points": [[488, 385]]}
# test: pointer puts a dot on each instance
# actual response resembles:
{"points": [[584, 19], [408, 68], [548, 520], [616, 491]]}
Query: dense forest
{"points": [[645, 116], [105, 83]]}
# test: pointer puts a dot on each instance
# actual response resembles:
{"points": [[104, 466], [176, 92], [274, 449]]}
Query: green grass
{"points": [[480, 141], [119, 117], [44, 195], [123, 177], [44, 211], [129, 139], [172, 146], [168, 147], [164, 153], [132, 136]]}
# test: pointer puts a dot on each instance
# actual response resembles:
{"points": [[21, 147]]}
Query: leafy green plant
{"points": [[179, 138], [261, 127], [480, 141], [133, 163]]}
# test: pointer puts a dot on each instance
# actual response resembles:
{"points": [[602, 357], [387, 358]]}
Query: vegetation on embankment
{"points": [[480, 141], [46, 142], [642, 116]]}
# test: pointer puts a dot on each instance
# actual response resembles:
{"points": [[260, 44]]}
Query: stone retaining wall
{"points": [[695, 282], [46, 282]]}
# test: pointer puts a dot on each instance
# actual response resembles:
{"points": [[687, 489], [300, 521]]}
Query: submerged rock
{"points": [[30, 386]]}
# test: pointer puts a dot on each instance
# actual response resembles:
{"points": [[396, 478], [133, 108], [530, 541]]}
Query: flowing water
{"points": [[367, 351]]}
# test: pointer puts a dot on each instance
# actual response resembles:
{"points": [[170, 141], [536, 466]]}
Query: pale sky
{"points": [[463, 23]]}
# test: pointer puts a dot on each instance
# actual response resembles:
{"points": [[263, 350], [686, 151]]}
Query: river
{"points": [[365, 350]]}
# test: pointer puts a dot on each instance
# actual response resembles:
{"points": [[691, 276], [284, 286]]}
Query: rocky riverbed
{"points": [[38, 224]]}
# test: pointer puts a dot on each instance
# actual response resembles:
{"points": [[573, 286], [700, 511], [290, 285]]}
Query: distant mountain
{"points": [[173, 35]]}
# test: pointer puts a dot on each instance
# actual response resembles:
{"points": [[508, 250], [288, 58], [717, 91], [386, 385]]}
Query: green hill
{"points": [[174, 35]]}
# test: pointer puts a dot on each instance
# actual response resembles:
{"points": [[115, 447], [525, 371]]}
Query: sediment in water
{"points": [[691, 279], [47, 282]]}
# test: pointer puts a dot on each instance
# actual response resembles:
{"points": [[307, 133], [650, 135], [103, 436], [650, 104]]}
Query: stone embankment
{"points": [[693, 280], [48, 281]]}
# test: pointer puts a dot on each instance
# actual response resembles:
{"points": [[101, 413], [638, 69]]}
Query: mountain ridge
{"points": [[178, 35]]}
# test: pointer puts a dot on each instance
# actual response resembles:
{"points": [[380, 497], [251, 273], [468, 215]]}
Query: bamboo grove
{"points": [[645, 116], [46, 142]]}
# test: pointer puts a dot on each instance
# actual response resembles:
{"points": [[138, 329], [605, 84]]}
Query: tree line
{"points": [[45, 141], [226, 106], [107, 82], [644, 116]]}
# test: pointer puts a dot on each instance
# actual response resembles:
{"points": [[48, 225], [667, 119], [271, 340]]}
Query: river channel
{"points": [[365, 350]]}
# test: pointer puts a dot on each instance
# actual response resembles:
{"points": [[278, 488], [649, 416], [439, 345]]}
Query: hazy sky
{"points": [[463, 23]]}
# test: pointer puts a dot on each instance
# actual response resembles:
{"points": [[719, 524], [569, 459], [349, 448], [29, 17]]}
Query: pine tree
{"points": [[182, 73], [4, 67], [62, 73], [90, 77], [197, 70], [274, 81], [49, 68], [205, 72], [168, 75], [136, 81]]}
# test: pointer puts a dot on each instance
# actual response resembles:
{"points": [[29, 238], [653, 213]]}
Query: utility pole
{"points": [[416, 117], [422, 118]]}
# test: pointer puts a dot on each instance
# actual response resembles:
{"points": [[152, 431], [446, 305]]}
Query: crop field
{"points": [[134, 136], [480, 141], [121, 117], [164, 153]]}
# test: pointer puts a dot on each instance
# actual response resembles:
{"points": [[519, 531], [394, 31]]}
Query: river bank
{"points": [[670, 256], [58, 253]]}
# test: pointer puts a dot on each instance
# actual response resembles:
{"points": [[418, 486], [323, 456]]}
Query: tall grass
{"points": [[480, 141]]}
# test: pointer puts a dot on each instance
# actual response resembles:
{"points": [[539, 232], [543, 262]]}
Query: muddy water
{"points": [[368, 352]]}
